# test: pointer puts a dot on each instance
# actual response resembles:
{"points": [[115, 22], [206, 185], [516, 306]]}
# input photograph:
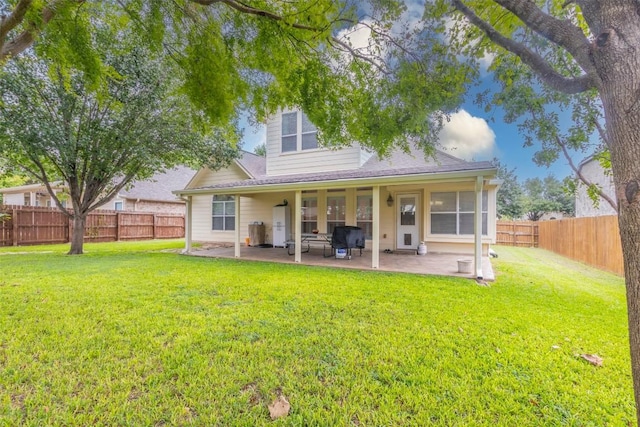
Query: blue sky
{"points": [[471, 134]]}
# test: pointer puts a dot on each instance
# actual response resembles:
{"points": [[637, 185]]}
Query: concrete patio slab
{"points": [[397, 261]]}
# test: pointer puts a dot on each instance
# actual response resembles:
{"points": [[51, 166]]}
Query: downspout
{"points": [[237, 225], [187, 224]]}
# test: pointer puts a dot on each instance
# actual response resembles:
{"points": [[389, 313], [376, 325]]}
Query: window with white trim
{"points": [[309, 214], [298, 133], [453, 212], [364, 214], [117, 206], [336, 212], [223, 213]]}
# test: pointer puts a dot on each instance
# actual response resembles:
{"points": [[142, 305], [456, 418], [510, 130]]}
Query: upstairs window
{"points": [[298, 133]]}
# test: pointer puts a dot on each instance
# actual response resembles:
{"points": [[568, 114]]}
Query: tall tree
{"points": [[546, 195], [510, 195], [371, 80], [54, 126], [579, 48]]}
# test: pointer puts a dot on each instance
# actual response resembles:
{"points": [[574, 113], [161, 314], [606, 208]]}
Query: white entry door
{"points": [[408, 227]]}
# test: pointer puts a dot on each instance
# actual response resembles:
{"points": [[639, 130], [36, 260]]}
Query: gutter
{"points": [[344, 183]]}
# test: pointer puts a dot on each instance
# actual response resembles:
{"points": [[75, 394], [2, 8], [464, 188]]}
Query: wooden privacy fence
{"points": [[31, 225], [594, 241], [517, 233]]}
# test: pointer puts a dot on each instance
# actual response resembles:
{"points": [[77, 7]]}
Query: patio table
{"points": [[309, 239]]}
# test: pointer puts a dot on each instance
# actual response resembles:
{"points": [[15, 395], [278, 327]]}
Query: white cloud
{"points": [[359, 39], [358, 36], [468, 137]]}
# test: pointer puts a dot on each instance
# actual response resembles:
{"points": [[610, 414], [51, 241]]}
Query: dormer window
{"points": [[298, 133]]}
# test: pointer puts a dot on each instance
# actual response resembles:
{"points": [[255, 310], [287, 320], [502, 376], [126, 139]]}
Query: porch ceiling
{"points": [[398, 261]]}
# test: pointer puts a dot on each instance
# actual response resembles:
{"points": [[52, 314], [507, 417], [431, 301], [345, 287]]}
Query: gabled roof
{"points": [[399, 159], [398, 164], [253, 164], [160, 186]]}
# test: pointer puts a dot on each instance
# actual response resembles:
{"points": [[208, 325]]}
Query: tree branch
{"points": [[569, 85], [354, 52], [22, 41], [560, 32], [8, 23], [244, 8]]}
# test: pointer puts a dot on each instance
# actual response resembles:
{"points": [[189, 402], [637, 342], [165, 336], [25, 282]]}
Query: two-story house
{"points": [[399, 202]]}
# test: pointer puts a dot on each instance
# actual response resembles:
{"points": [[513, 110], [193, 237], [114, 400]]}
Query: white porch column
{"points": [[236, 198], [297, 218], [188, 224], [478, 228], [375, 234]]}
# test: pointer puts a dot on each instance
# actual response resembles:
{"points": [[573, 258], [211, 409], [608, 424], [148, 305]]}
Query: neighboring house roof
{"points": [[157, 188], [160, 186], [30, 188], [586, 161], [396, 165]]}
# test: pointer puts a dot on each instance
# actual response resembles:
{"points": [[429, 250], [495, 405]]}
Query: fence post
{"points": [[533, 236], [14, 223], [117, 226], [155, 224]]}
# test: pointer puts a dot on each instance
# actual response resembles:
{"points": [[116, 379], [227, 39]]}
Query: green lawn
{"points": [[129, 334]]}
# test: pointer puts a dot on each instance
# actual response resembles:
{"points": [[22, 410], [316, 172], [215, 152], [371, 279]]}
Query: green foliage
{"points": [[510, 197], [99, 132], [261, 150], [57, 128], [555, 123], [270, 55], [133, 335], [547, 195]]}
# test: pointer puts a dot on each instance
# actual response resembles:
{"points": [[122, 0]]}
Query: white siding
{"points": [[387, 221], [584, 205], [258, 207], [13, 199], [206, 177], [307, 161]]}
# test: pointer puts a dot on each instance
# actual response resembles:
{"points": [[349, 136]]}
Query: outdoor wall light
{"points": [[389, 200]]}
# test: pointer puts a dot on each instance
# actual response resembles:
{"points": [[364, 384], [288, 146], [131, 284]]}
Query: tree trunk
{"points": [[626, 167], [77, 237], [618, 60]]}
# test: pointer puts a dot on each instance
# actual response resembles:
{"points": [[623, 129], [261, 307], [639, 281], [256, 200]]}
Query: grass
{"points": [[129, 334]]}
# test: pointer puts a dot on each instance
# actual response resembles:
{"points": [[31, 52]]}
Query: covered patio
{"points": [[395, 261]]}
